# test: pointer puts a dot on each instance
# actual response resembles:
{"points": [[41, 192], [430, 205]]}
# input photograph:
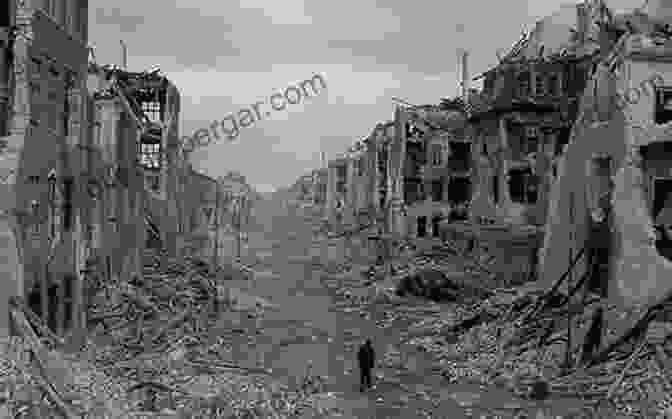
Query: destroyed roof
{"points": [[554, 37], [449, 116], [202, 175]]}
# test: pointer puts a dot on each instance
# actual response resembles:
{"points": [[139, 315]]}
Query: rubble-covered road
{"points": [[316, 322]]}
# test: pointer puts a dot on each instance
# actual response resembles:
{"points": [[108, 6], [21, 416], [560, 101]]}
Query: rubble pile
{"points": [[516, 342], [439, 286], [150, 351]]}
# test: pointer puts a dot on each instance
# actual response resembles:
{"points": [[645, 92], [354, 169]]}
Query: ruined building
{"points": [[519, 123], [437, 165], [377, 154], [155, 105], [522, 118], [609, 213], [43, 67], [356, 196], [319, 187], [337, 183]]}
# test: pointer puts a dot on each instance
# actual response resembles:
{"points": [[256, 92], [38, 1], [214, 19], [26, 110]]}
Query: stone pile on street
{"points": [[497, 341], [151, 351]]}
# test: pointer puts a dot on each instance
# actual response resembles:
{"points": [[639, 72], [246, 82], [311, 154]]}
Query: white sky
{"points": [[223, 57]]}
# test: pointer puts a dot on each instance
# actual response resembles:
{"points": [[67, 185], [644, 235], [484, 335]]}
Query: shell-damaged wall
{"points": [[638, 273], [642, 275], [571, 201]]}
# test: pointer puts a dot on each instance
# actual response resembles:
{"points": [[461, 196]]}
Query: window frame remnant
{"points": [[523, 84], [436, 190], [150, 158], [437, 154], [152, 109], [540, 88], [523, 186]]}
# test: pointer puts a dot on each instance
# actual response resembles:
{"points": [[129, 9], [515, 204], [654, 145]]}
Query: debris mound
{"points": [[149, 351]]}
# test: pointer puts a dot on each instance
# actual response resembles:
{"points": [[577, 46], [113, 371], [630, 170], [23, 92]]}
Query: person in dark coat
{"points": [[367, 358]]}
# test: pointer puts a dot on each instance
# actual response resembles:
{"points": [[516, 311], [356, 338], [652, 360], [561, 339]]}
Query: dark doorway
{"points": [[435, 225], [422, 226]]}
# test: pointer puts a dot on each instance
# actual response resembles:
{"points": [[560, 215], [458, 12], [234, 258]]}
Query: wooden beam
{"points": [[52, 377]]}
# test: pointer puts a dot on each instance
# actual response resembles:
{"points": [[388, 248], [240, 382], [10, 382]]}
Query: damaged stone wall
{"points": [[482, 203], [639, 274], [569, 210]]}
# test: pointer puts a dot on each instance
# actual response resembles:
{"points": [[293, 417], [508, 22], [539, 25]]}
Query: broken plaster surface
{"points": [[639, 274]]}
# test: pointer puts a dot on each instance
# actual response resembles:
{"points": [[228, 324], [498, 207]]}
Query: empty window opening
{"points": [[553, 85], [523, 186], [152, 110], [495, 188], [540, 85], [150, 155], [563, 139], [663, 112], [459, 190], [154, 182], [437, 190], [437, 155], [436, 225], [531, 140], [415, 157], [413, 131], [413, 191], [5, 16], [459, 157], [422, 226], [68, 215], [662, 201], [523, 80]]}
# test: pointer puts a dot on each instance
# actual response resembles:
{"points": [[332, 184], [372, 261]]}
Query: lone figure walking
{"points": [[366, 357]]}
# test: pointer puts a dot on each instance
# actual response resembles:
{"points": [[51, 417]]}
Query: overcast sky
{"points": [[224, 55]]}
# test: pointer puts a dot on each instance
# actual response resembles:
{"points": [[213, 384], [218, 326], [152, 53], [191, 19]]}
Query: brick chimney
{"points": [[465, 76]]}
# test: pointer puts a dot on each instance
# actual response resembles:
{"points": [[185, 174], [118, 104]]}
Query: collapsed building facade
{"points": [[377, 157], [237, 205], [436, 166], [356, 188], [43, 59], [519, 124], [94, 174], [613, 182], [337, 183], [319, 187]]}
